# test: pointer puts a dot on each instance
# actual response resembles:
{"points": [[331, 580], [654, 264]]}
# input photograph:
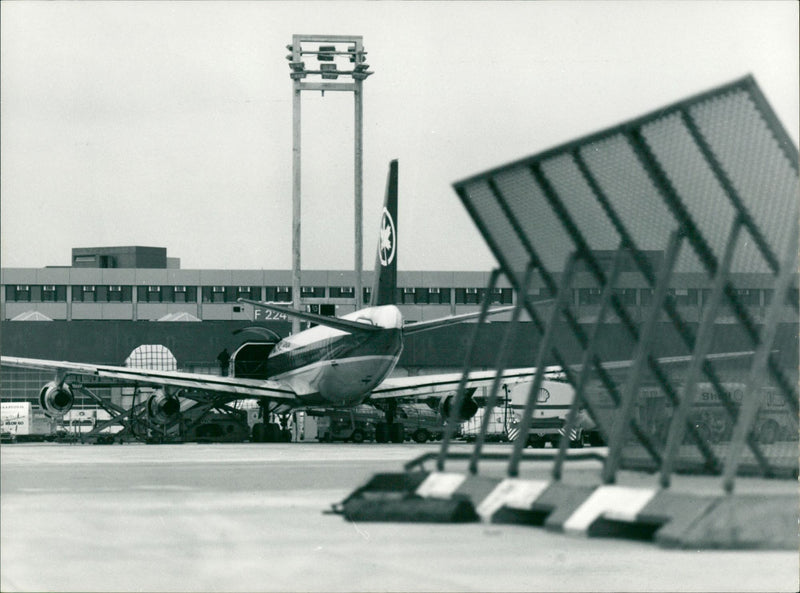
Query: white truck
{"points": [[774, 419], [22, 422], [547, 423]]}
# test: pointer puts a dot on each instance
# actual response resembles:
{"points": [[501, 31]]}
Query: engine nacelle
{"points": [[56, 400], [163, 408], [467, 410]]}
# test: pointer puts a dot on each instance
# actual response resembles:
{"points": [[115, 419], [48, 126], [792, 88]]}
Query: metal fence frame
{"points": [[765, 365]]}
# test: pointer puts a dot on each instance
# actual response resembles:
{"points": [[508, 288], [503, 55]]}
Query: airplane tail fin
{"points": [[385, 284]]}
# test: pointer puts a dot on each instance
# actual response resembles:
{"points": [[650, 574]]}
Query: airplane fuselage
{"points": [[331, 367]]}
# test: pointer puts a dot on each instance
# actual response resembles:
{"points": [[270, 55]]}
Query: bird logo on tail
{"points": [[387, 248]]}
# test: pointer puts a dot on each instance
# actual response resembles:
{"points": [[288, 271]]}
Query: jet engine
{"points": [[466, 411], [56, 400], [163, 408]]}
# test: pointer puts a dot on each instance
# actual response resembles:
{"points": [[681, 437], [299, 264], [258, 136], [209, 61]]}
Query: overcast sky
{"points": [[170, 123]]}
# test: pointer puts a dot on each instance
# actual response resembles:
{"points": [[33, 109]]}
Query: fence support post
{"points": [[586, 365], [702, 346], [502, 361], [643, 346], [544, 347], [452, 420], [757, 374]]}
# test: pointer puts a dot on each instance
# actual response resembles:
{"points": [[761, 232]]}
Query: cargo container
{"points": [[22, 422], [502, 422]]}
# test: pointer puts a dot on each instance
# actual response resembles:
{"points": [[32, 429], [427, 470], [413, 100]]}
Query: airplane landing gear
{"points": [[390, 430], [286, 432], [397, 432], [386, 432], [271, 432]]}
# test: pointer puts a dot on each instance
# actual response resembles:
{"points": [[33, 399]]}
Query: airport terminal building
{"points": [[114, 299]]}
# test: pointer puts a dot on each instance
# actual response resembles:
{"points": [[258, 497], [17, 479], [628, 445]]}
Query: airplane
{"points": [[340, 362]]}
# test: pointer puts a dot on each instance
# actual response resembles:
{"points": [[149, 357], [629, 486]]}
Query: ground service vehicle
{"points": [[356, 424], [550, 415], [218, 428], [23, 422], [773, 421], [502, 421], [420, 421]]}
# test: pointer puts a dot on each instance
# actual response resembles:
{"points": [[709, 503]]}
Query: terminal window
{"points": [[248, 292], [219, 294], [791, 296], [278, 294], [187, 295], [469, 296], [114, 294], [148, 294], [684, 296], [18, 292], [317, 292], [502, 296], [539, 294], [626, 296], [50, 293], [408, 296], [181, 294], [589, 296], [164, 294], [431, 295], [439, 296], [342, 292], [747, 296], [85, 293]]}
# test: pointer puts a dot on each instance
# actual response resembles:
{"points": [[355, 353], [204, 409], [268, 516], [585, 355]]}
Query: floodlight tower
{"points": [[325, 54]]}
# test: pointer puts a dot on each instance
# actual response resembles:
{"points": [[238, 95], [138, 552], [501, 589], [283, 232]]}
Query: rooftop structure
{"points": [[123, 257]]}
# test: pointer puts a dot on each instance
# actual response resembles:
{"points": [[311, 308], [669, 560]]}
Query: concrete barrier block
{"points": [[512, 493], [559, 501], [674, 513], [477, 488], [410, 497], [410, 510], [747, 521], [607, 507]]}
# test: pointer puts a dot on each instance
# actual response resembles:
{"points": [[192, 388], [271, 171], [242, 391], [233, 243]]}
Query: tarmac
{"points": [[256, 517]]}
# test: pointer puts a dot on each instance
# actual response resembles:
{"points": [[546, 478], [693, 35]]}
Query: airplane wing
{"points": [[683, 359], [421, 385], [246, 388], [441, 383], [421, 326]]}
